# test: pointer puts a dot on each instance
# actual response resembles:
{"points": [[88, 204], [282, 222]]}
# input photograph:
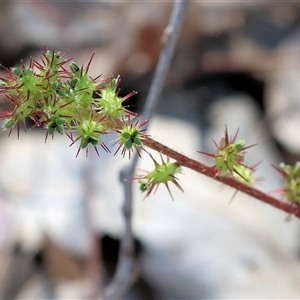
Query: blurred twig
{"points": [[127, 271], [94, 261]]}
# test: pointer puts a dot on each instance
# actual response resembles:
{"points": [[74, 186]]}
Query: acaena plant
{"points": [[230, 159], [59, 96], [163, 173]]}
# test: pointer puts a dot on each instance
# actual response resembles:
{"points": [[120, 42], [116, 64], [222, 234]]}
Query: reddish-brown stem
{"points": [[199, 167]]}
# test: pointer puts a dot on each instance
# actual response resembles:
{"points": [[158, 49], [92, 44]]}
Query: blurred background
{"points": [[236, 64]]}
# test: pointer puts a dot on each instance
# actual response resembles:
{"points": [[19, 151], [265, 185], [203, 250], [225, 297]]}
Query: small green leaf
{"points": [[17, 71], [73, 83], [135, 132], [126, 135], [60, 121], [84, 143], [8, 123], [74, 68], [143, 186], [59, 129], [61, 93], [128, 144], [51, 129], [239, 145], [27, 72], [59, 85], [93, 141], [137, 141]]}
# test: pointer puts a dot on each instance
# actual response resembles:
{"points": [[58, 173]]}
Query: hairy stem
{"points": [[199, 167]]}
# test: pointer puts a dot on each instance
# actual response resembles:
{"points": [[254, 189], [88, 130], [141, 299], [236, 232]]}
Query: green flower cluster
{"points": [[162, 173], [291, 176], [229, 159], [62, 98]]}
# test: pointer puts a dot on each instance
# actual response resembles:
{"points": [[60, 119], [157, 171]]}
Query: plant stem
{"points": [[94, 267], [199, 167], [127, 271], [170, 38]]}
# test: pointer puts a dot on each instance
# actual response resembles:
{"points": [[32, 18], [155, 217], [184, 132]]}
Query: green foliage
{"points": [[229, 159], [161, 174], [291, 176], [63, 98], [56, 124], [131, 136]]}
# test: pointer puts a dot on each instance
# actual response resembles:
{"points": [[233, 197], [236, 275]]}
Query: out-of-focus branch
{"points": [[127, 270], [94, 266]]}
